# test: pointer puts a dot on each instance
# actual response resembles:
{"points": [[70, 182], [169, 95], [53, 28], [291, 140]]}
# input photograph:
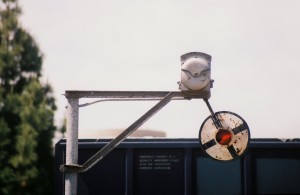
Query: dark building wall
{"points": [[179, 166]]}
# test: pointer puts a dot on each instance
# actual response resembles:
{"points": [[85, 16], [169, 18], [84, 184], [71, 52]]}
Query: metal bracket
{"points": [[71, 168], [215, 119], [115, 142]]}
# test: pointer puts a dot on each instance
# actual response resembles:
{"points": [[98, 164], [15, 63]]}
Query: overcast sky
{"points": [[136, 45]]}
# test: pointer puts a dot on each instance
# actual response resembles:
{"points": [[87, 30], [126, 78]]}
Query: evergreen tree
{"points": [[26, 110]]}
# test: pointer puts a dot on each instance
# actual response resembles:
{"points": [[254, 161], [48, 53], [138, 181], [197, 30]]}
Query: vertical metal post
{"points": [[72, 145]]}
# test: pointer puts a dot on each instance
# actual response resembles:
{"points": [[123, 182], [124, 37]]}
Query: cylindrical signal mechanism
{"points": [[195, 72]]}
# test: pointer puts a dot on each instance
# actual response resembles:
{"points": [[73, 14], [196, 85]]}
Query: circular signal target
{"points": [[224, 136]]}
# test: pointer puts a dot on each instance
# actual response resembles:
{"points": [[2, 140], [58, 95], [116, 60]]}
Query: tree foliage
{"points": [[26, 110]]}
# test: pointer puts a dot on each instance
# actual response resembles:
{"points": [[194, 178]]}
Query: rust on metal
{"points": [[224, 136]]}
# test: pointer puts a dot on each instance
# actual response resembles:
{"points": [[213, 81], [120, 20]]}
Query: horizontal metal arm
{"points": [[136, 94]]}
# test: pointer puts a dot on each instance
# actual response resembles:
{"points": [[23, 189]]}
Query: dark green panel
{"points": [[277, 176], [216, 177]]}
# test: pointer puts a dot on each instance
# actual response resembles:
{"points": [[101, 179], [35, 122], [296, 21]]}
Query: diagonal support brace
{"points": [[115, 142]]}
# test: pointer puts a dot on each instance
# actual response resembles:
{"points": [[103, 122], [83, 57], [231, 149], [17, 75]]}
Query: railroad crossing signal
{"points": [[223, 135]]}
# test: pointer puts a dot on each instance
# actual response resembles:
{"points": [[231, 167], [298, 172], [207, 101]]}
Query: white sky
{"points": [[136, 45]]}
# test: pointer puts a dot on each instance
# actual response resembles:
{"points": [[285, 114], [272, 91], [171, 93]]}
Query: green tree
{"points": [[26, 110]]}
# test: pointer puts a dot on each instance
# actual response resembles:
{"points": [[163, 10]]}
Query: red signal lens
{"points": [[223, 137]]}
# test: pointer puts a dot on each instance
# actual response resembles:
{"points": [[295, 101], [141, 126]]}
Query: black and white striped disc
{"points": [[227, 142]]}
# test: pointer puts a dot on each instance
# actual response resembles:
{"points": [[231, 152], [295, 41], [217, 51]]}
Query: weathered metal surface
{"points": [[188, 55], [134, 94], [216, 121], [234, 130], [115, 142], [72, 145]]}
